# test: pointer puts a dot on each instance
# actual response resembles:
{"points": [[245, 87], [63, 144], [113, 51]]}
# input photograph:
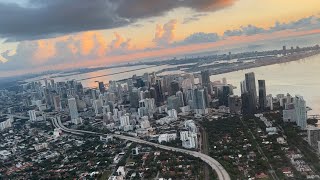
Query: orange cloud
{"points": [[165, 34], [118, 41], [45, 50], [87, 42], [234, 40], [102, 45]]}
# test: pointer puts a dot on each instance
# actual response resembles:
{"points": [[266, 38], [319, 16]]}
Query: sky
{"points": [[43, 35]]}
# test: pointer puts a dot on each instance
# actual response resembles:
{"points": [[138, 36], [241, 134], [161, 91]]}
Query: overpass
{"points": [[215, 165]]}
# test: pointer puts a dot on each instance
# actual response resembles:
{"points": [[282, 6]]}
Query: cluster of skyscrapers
{"points": [[251, 102], [149, 94]]}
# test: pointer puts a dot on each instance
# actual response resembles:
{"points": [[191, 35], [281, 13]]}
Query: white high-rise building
{"points": [[145, 124], [148, 103], [115, 112], [97, 106], [72, 103], [191, 126], [189, 139], [243, 87], [105, 109], [301, 111], [184, 135], [32, 115], [124, 120], [167, 137], [146, 107], [6, 124], [296, 112], [173, 114], [179, 94]]}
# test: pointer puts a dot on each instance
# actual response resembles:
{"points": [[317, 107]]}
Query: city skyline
{"points": [[131, 110], [172, 30], [159, 89]]}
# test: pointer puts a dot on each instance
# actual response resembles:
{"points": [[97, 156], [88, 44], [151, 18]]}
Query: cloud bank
{"points": [[87, 48], [38, 19]]}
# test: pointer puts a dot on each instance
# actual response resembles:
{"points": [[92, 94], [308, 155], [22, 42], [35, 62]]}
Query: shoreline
{"points": [[261, 63], [271, 61], [266, 61]]}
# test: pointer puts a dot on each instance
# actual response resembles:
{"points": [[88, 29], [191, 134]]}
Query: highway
{"points": [[215, 165]]}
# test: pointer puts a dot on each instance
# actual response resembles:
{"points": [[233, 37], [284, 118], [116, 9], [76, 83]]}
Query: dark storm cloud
{"points": [[49, 18], [149, 8]]}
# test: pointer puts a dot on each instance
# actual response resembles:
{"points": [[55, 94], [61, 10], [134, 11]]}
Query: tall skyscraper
{"points": [[46, 82], [179, 94], [174, 87], [223, 94], [73, 109], [124, 120], [243, 87], [199, 101], [245, 103], [57, 103], [173, 103], [134, 98], [53, 85], [101, 87], [252, 93], [97, 106], [262, 94], [159, 95], [140, 83], [205, 78], [188, 94], [47, 96]]}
